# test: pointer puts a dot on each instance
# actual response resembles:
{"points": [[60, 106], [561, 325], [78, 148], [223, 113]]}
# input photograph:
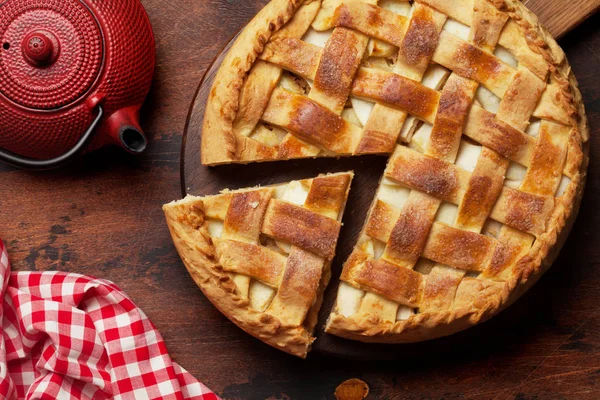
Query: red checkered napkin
{"points": [[68, 336]]}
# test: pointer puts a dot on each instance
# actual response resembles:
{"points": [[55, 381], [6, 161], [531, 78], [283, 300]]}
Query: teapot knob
{"points": [[40, 47]]}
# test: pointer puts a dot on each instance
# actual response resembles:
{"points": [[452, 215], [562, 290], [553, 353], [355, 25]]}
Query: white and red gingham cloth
{"points": [[68, 336]]}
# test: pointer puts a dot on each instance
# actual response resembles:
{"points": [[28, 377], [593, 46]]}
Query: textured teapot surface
{"points": [[61, 58]]}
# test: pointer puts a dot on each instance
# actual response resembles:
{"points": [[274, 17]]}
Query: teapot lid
{"points": [[51, 52]]}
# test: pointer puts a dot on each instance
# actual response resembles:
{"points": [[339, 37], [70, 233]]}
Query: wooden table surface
{"points": [[101, 216]]}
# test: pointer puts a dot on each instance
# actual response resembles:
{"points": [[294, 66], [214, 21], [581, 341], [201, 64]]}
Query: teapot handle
{"points": [[30, 163]]}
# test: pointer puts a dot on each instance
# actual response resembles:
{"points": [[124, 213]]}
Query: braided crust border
{"points": [[219, 140]]}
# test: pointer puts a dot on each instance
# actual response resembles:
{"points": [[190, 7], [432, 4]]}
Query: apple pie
{"points": [[479, 113]]}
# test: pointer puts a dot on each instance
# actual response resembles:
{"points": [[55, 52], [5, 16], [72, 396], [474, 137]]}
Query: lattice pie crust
{"points": [[482, 117], [263, 255]]}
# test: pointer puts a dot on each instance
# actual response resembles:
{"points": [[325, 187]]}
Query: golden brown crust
{"points": [[455, 103], [299, 287], [420, 39], [385, 278], [327, 196], [440, 289], [339, 61], [482, 191], [382, 220], [311, 121], [245, 214], [547, 157], [457, 248], [251, 260], [427, 174], [374, 21], [470, 61], [396, 91], [302, 228], [409, 235], [483, 127], [299, 278], [523, 211]]}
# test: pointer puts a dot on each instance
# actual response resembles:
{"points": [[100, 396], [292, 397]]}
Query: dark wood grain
{"points": [[101, 216]]}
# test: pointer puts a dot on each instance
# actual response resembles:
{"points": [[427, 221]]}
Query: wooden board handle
{"points": [[560, 16]]}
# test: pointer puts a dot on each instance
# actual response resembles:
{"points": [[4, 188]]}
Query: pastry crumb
{"points": [[352, 389]]}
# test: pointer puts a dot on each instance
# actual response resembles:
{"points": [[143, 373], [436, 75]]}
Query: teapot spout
{"points": [[124, 130]]}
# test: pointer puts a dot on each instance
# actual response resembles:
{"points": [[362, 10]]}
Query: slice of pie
{"points": [[482, 117], [262, 256]]}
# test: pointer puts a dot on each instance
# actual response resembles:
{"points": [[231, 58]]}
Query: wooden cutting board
{"points": [[558, 16]]}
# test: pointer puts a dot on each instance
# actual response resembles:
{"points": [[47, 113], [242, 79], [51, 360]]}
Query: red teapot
{"points": [[73, 76]]}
